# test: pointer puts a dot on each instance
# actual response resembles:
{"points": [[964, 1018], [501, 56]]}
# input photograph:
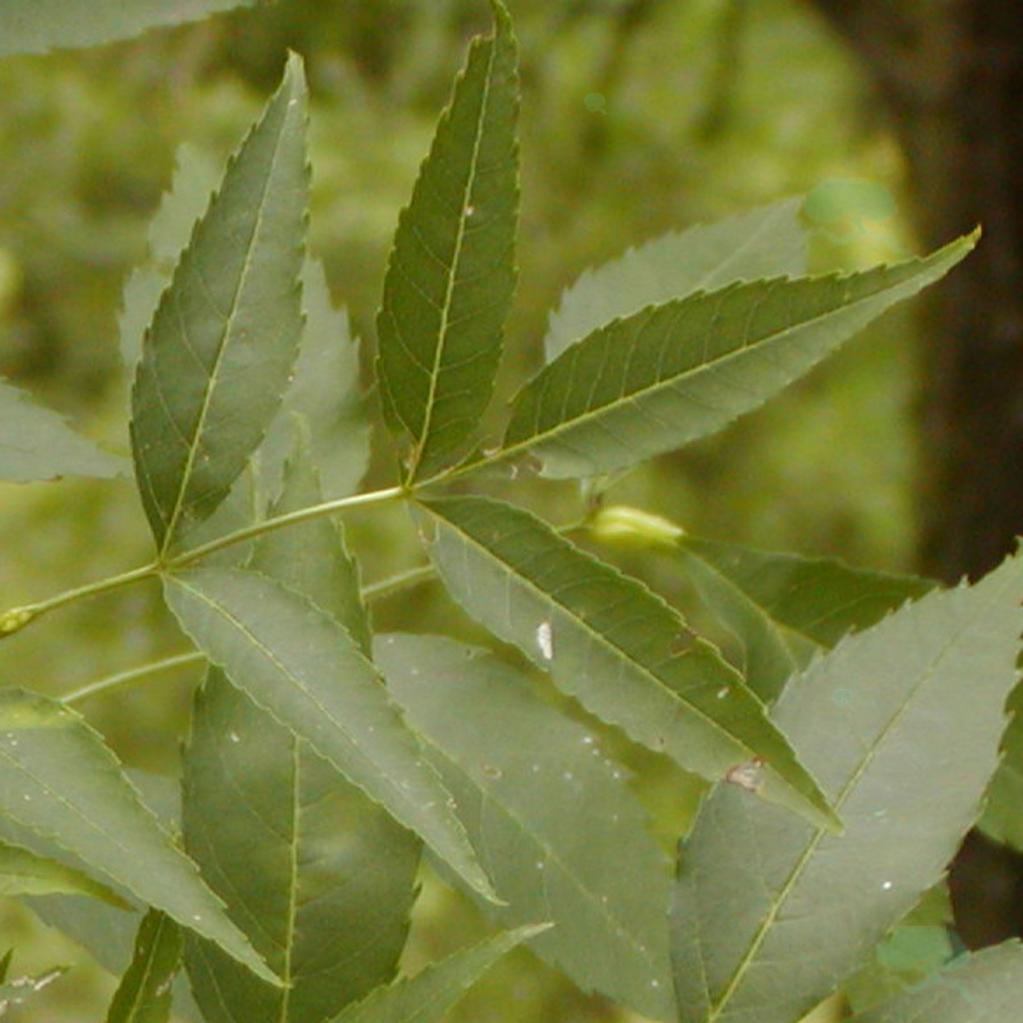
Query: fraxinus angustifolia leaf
{"points": [[59, 780], [784, 608], [452, 270], [901, 724], [983, 987], [676, 372], [552, 820], [37, 444], [38, 26], [769, 241], [327, 897], [427, 996], [145, 992], [296, 662], [219, 353], [611, 643]]}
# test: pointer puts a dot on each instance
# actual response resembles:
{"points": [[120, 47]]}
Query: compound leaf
{"points": [[296, 662], [783, 608], [765, 242], [621, 651], [38, 26], [219, 353], [452, 270], [144, 994], [676, 372], [985, 987], [426, 997], [552, 820], [59, 780], [875, 719], [37, 444]]}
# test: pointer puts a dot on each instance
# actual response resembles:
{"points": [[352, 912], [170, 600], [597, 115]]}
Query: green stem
{"points": [[18, 617], [124, 677], [281, 521]]}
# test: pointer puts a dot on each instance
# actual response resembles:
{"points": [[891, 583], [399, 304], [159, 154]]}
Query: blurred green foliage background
{"points": [[639, 116]]}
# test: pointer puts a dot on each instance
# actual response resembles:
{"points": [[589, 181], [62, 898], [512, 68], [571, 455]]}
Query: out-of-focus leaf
{"points": [[37, 444], [452, 270], [144, 994], [38, 26], [426, 997], [26, 873], [766, 242], [783, 608], [325, 392], [676, 372], [59, 780], [300, 665], [552, 820], [327, 898], [18, 991], [195, 179], [770, 915], [219, 353], [1003, 809], [986, 987], [621, 651]]}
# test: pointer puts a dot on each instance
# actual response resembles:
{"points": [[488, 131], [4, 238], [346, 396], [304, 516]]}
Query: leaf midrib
{"points": [[456, 256], [820, 833], [224, 344]]}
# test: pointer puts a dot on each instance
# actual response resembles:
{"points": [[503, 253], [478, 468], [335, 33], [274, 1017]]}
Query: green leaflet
{"points": [[784, 608], [986, 987], [426, 997], [26, 873], [144, 994], [552, 820], [219, 353], [679, 371], [621, 651], [59, 780], [37, 444], [875, 719], [765, 242], [38, 26], [451, 275], [299, 664], [326, 853], [325, 388]]}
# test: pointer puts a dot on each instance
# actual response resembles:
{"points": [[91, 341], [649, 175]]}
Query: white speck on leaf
{"points": [[545, 640]]}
